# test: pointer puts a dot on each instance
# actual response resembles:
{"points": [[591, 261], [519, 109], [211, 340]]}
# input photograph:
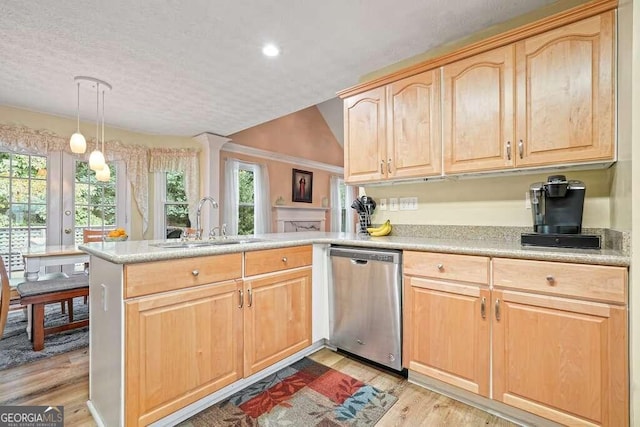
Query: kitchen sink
{"points": [[204, 243]]}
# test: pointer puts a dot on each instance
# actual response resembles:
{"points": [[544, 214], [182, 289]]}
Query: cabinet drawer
{"points": [[462, 268], [592, 282], [270, 260], [160, 276]]}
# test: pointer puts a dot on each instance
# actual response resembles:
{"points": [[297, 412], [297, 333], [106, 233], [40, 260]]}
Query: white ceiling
{"points": [[192, 66]]}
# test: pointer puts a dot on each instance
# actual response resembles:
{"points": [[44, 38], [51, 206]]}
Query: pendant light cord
{"points": [[78, 108], [97, 116]]}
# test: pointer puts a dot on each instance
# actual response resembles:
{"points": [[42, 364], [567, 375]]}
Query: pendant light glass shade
{"points": [[104, 174], [96, 160], [77, 142]]}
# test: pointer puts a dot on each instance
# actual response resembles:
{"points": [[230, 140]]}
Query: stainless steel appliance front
{"points": [[365, 295]]}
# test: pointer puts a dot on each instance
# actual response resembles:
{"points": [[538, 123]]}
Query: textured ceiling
{"points": [[193, 66]]}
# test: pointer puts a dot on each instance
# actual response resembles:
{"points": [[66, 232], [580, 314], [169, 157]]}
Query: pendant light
{"points": [[96, 159], [77, 142], [103, 174]]}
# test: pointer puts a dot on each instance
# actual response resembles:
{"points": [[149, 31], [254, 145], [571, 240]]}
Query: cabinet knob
{"points": [[440, 267], [195, 273], [284, 259], [551, 280]]}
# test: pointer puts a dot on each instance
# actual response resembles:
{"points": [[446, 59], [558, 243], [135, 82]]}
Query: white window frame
{"points": [[160, 200]]}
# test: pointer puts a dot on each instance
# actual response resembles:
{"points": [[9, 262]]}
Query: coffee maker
{"points": [[556, 208]]}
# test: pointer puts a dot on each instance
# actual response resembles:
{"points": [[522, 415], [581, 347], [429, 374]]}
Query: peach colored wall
{"points": [[280, 182], [303, 134]]}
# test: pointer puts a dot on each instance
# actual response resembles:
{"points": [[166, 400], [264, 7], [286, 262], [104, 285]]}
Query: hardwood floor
{"points": [[64, 380]]}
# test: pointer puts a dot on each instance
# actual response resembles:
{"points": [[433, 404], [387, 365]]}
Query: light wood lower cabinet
{"points": [[180, 347], [544, 346], [277, 317], [560, 358]]}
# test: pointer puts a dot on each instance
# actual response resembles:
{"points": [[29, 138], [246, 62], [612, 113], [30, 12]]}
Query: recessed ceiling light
{"points": [[270, 50]]}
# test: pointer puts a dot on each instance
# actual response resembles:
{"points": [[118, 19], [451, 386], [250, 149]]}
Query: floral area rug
{"points": [[306, 394]]}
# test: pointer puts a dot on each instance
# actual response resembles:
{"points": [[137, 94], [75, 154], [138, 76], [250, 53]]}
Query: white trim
{"points": [[231, 147], [284, 214]]}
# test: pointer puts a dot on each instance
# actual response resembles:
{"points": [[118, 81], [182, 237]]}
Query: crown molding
{"points": [[232, 147]]}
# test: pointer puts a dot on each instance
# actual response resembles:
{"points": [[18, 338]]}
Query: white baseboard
{"points": [[94, 414]]}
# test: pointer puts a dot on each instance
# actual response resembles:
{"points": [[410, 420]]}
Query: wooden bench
{"points": [[43, 292]]}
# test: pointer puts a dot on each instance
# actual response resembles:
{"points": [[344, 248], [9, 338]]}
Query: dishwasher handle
{"points": [[359, 261]]}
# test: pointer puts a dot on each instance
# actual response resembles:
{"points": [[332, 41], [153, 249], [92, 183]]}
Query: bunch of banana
{"points": [[383, 230]]}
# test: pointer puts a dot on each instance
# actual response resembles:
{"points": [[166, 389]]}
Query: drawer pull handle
{"points": [[521, 148], [284, 259], [508, 150], [389, 166], [240, 298], [381, 167], [483, 308], [440, 267], [195, 273], [250, 297], [551, 280], [497, 309]]}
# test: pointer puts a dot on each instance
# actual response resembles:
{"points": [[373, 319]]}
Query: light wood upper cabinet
{"points": [[364, 128], [413, 126], [180, 346], [394, 131], [530, 98], [478, 111], [566, 93]]}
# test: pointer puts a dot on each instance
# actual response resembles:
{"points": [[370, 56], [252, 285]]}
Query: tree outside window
{"points": [[246, 208], [23, 206], [95, 201], [176, 207]]}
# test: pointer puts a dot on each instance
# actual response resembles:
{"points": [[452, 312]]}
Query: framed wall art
{"points": [[302, 186]]}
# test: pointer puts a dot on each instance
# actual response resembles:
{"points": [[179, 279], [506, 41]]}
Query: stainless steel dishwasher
{"points": [[365, 304]]}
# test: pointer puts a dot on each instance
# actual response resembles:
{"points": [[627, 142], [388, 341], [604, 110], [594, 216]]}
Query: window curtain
{"points": [[24, 140], [231, 195], [179, 160], [262, 212]]}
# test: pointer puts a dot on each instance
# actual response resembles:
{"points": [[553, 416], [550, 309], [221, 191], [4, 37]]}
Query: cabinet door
{"points": [[559, 358], [277, 317], [180, 347], [447, 332], [413, 126], [565, 94], [479, 113], [364, 134]]}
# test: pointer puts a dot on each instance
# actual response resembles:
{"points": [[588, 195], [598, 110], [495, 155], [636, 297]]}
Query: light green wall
{"points": [[498, 200]]}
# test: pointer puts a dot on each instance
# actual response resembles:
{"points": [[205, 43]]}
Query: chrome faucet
{"points": [[199, 214]]}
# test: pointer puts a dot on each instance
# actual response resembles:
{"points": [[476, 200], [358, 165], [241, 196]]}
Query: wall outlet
{"points": [[408, 203], [393, 203], [382, 204]]}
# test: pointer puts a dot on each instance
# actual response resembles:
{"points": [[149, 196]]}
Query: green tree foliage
{"points": [[246, 209], [23, 190], [177, 208], [95, 200]]}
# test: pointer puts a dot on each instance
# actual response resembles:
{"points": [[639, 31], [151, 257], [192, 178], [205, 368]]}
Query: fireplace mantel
{"points": [[284, 214]]}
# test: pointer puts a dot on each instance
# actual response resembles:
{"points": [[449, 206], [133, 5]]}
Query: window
{"points": [[246, 202], [341, 198], [176, 208], [95, 201], [23, 207]]}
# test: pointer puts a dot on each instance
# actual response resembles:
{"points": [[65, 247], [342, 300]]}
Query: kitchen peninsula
{"points": [[203, 303]]}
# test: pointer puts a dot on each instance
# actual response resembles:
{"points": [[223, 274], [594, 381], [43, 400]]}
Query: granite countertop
{"points": [[137, 251]]}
